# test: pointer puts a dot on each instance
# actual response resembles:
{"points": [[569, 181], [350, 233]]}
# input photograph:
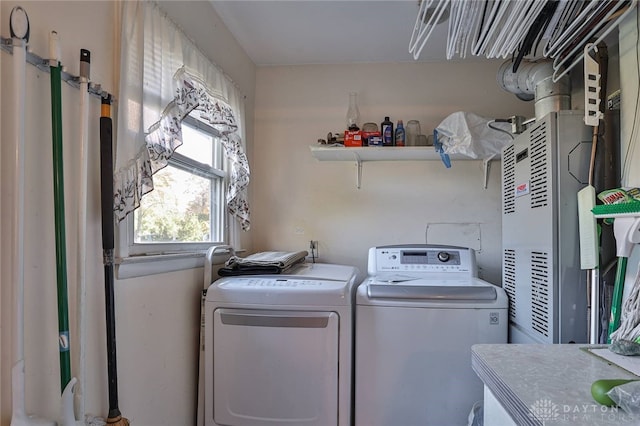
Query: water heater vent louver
{"points": [[508, 187], [509, 280], [540, 293], [539, 166]]}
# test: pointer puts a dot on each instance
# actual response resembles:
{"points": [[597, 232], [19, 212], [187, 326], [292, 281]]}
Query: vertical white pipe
{"points": [[82, 239], [19, 88], [17, 243], [593, 282]]}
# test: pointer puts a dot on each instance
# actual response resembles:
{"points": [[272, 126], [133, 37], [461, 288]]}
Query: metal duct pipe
{"points": [[534, 80]]}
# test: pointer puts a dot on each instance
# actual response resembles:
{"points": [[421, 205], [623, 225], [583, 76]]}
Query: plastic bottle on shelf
{"points": [[386, 129], [399, 135]]}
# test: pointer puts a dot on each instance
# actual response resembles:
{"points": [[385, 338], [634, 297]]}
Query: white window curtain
{"points": [[163, 78]]}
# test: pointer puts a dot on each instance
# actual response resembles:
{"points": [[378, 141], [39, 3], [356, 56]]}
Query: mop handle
{"points": [[106, 179], [59, 215], [616, 301], [106, 175]]}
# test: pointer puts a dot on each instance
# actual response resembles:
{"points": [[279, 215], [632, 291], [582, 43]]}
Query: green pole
{"points": [[616, 301], [58, 199]]}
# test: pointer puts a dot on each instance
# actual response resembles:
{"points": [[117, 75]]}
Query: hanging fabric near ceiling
{"points": [[163, 78]]}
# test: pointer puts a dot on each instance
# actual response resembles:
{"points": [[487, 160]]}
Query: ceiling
{"points": [[293, 32]]}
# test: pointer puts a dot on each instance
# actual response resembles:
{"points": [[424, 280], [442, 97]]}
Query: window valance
{"points": [[164, 77]]}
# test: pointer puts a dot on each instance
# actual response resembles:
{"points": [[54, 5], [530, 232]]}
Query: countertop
{"points": [[548, 384]]}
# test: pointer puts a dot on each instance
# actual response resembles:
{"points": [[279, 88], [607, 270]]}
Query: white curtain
{"points": [[163, 78]]}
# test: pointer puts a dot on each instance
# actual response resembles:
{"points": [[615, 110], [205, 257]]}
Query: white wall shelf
{"points": [[378, 153], [386, 153]]}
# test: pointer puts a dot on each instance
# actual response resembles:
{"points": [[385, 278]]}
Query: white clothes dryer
{"points": [[279, 348], [417, 315]]}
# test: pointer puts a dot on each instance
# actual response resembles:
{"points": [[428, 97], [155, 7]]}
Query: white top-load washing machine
{"points": [[417, 315], [279, 348]]}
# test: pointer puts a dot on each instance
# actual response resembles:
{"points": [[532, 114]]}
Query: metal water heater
{"points": [[542, 172]]}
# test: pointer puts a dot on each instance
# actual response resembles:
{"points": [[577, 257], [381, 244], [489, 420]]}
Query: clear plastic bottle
{"points": [[353, 113], [399, 135]]}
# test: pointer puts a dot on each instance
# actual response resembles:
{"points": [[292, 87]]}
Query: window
{"points": [[170, 200], [185, 210]]}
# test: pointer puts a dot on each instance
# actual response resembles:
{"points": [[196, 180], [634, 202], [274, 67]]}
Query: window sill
{"points": [[140, 266]]}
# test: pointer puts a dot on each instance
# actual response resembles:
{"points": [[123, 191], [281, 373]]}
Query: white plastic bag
{"points": [[469, 134], [627, 397]]}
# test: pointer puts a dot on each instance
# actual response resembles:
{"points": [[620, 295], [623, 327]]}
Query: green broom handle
{"points": [[616, 301], [58, 197]]}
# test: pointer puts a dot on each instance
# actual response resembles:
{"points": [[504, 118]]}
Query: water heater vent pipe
{"points": [[534, 80]]}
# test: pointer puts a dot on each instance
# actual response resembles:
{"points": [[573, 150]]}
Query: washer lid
{"points": [[431, 292], [423, 292]]}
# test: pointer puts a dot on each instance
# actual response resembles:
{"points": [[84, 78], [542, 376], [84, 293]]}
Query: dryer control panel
{"points": [[422, 258]]}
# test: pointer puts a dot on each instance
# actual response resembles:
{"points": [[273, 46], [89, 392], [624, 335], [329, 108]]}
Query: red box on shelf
{"points": [[353, 138]]}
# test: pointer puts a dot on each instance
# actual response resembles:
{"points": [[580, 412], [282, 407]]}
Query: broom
{"points": [[58, 196], [67, 383], [106, 189]]}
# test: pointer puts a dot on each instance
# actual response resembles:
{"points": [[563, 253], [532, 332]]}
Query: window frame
{"points": [[130, 249]]}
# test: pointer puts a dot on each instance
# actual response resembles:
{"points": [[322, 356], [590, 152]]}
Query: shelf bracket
{"points": [[358, 169]]}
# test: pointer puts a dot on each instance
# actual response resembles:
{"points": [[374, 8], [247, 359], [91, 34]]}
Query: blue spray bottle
{"points": [[400, 135]]}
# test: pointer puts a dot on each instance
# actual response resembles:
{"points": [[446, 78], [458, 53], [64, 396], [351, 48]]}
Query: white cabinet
{"points": [[494, 412]]}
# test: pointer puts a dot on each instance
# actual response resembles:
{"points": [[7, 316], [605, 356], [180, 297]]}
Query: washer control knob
{"points": [[443, 256]]}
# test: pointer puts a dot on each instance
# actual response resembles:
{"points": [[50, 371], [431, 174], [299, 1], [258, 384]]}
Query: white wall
{"points": [[303, 199], [3, 348], [157, 316], [294, 197], [41, 352]]}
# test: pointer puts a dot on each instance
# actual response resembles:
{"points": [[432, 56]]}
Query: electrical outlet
{"points": [[313, 248]]}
